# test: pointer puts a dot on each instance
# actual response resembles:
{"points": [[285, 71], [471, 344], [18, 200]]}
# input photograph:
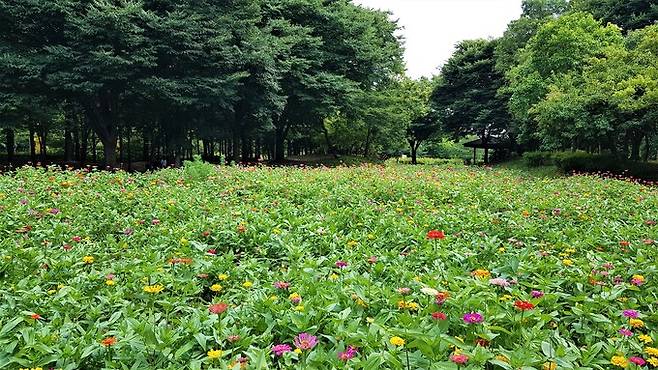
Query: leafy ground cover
{"points": [[370, 267]]}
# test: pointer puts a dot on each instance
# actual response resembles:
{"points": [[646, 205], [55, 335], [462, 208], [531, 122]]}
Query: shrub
{"points": [[605, 164], [197, 169], [536, 159]]}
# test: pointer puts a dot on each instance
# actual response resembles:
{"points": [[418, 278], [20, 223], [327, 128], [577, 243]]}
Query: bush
{"points": [[537, 159], [605, 164], [198, 170]]}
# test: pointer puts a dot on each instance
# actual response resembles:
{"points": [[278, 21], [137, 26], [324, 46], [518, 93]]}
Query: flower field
{"points": [[371, 267]]}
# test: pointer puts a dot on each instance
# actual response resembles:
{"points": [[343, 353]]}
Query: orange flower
{"points": [[109, 341]]}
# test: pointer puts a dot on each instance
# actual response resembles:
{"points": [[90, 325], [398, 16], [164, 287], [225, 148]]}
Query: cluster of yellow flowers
{"points": [[409, 305]]}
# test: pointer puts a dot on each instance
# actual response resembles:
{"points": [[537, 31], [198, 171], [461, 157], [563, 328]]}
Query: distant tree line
{"points": [[579, 75], [156, 79]]}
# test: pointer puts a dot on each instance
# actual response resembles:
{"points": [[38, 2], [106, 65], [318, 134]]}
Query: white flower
{"points": [[429, 291]]}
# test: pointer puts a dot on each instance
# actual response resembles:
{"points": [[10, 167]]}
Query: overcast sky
{"points": [[433, 27]]}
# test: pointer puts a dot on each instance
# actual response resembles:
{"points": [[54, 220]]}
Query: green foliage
{"points": [[263, 225], [197, 169], [537, 159], [627, 14], [605, 164]]}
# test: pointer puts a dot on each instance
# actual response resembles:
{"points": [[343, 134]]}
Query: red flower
{"points": [[217, 308], [524, 305], [212, 251], [435, 234], [482, 342], [35, 316], [439, 316], [624, 243]]}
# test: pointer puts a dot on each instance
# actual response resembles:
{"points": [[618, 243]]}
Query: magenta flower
{"points": [[128, 231], [341, 264], [639, 361], [536, 294], [348, 354], [305, 341], [473, 318], [281, 285], [280, 349], [54, 211], [625, 332], [632, 314]]}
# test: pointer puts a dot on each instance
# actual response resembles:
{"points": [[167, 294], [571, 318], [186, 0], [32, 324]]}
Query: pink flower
{"points": [[459, 359], [76, 239], [633, 314], [305, 341], [155, 221], [233, 338], [212, 251], [67, 247], [109, 276], [281, 285], [348, 354], [128, 231], [639, 361], [500, 282], [341, 264], [280, 349], [536, 294], [404, 291], [625, 332], [372, 260], [54, 211], [217, 308], [473, 318]]}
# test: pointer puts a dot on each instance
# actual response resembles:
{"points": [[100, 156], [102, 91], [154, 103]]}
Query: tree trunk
{"points": [[42, 145], [414, 151], [68, 145], [366, 149], [84, 145], [647, 148], [33, 149], [10, 142], [635, 148], [279, 144]]}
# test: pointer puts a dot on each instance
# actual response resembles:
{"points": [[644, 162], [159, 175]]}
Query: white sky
{"points": [[431, 28]]}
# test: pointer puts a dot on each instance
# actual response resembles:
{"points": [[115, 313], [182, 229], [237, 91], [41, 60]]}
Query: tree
{"points": [[467, 100], [628, 14]]}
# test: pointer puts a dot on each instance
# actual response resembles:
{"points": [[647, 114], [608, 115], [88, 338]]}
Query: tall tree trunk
{"points": [[84, 145], [33, 145], [279, 144], [128, 137], [414, 151], [10, 142], [68, 145], [42, 145], [366, 149], [635, 147], [330, 146], [647, 148]]}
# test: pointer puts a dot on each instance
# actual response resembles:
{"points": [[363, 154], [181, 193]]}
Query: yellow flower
{"points": [[371, 237], [273, 298], [88, 259], [222, 277], [333, 277], [652, 351], [506, 298], [638, 278], [636, 323], [370, 320], [52, 291], [502, 358], [247, 284], [297, 351], [397, 341], [550, 366], [153, 288], [481, 273], [214, 354], [361, 303], [645, 338], [276, 231], [184, 242], [216, 288], [299, 308], [653, 361], [109, 282], [619, 361], [567, 262], [501, 249]]}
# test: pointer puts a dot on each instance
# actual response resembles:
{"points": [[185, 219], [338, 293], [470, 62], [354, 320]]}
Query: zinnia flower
{"points": [[501, 282], [305, 341], [153, 288], [397, 341], [523, 305], [439, 316], [214, 354], [619, 361], [435, 234], [536, 294], [637, 280], [459, 358], [109, 341], [625, 332], [88, 259], [639, 361], [281, 285], [217, 308], [280, 349], [341, 264], [633, 314], [348, 354], [473, 318]]}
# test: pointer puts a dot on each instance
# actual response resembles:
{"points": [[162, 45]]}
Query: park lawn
{"points": [[392, 267]]}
